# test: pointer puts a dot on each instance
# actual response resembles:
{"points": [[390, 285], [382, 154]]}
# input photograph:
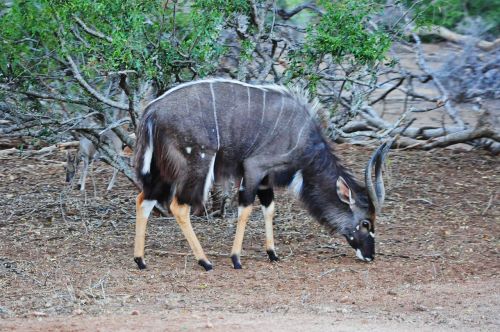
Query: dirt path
{"points": [[437, 266]]}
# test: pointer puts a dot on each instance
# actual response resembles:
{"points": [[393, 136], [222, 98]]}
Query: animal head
{"points": [[359, 228]]}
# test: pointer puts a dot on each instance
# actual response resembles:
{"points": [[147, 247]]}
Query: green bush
{"points": [[449, 13]]}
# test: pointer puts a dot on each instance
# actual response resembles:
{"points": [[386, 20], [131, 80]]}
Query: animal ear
{"points": [[344, 192]]}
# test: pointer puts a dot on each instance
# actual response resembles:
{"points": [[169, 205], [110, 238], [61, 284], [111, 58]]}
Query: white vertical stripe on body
{"points": [[209, 180], [215, 116]]}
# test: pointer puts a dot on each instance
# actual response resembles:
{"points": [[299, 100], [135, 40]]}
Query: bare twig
{"points": [[90, 89], [91, 31]]}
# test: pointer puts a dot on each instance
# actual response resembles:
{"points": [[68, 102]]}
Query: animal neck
{"points": [[319, 189]]}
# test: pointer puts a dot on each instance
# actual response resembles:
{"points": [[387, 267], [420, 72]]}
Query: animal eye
{"points": [[366, 224]]}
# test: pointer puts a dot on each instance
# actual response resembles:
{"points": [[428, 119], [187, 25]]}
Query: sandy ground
{"points": [[66, 257]]}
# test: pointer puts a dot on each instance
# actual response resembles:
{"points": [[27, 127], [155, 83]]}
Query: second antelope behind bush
{"points": [[212, 130]]}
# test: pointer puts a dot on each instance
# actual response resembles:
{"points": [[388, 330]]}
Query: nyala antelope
{"points": [[87, 153], [214, 130]]}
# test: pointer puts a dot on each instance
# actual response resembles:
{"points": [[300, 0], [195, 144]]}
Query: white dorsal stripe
{"points": [[299, 94]]}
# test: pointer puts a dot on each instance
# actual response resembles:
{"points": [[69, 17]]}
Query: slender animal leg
{"points": [[143, 209], [243, 215], [112, 181], [181, 214], [83, 176], [266, 197]]}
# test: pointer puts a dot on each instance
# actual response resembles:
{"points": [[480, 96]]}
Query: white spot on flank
{"points": [[296, 184], [202, 155], [351, 238], [189, 149], [357, 227], [148, 155], [209, 179], [147, 206]]}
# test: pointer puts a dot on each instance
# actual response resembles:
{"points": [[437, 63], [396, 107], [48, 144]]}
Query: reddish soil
{"points": [[66, 257]]}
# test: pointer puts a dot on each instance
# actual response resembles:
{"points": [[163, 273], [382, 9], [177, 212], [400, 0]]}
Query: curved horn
{"points": [[376, 192], [372, 194], [379, 180]]}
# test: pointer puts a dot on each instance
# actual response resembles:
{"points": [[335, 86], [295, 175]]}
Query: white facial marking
{"points": [[189, 149], [372, 234], [209, 179], [351, 238], [360, 256], [202, 155], [296, 184], [357, 228], [147, 207]]}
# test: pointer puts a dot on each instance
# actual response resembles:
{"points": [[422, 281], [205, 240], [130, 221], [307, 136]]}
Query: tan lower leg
{"points": [[140, 226], [181, 214], [268, 218], [243, 215]]}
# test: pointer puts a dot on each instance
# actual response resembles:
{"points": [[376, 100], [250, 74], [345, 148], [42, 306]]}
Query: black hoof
{"points": [[206, 265], [236, 262], [140, 262], [272, 256]]}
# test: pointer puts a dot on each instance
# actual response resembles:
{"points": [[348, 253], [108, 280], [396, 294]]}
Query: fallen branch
{"points": [[458, 38]]}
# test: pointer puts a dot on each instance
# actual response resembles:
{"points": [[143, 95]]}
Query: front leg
{"points": [[243, 216], [266, 197]]}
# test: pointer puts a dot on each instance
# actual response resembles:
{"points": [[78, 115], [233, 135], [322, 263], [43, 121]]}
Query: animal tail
{"points": [[144, 147]]}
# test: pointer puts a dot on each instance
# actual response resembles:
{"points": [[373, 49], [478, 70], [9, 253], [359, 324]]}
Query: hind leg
{"points": [[181, 214], [143, 209]]}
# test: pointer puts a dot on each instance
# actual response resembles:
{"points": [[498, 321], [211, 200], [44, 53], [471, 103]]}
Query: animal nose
{"points": [[367, 258]]}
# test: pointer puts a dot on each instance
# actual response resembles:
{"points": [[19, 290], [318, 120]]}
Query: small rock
{"points": [[209, 325], [135, 312], [39, 314], [77, 312], [420, 308], [391, 292], [345, 299]]}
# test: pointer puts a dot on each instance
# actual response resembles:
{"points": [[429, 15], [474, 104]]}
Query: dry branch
{"points": [[458, 38]]}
